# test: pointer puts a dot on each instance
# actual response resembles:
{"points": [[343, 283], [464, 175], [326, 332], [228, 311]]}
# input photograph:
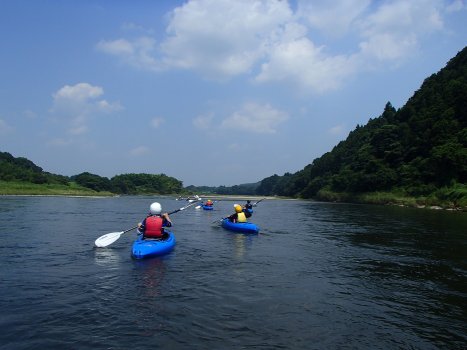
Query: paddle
{"points": [[109, 238], [218, 220], [254, 204]]}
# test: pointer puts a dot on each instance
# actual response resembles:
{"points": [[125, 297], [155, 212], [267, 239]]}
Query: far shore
{"points": [[252, 198]]}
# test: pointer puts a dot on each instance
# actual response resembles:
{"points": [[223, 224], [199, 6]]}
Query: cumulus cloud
{"points": [[139, 53], [394, 29], [256, 118], [333, 18], [269, 41], [303, 63], [223, 38], [77, 104]]}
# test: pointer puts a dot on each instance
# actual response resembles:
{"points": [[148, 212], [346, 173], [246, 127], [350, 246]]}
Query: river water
{"points": [[318, 276]]}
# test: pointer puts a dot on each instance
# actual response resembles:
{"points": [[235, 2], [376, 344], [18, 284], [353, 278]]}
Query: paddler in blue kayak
{"points": [[239, 215], [153, 225], [248, 209]]}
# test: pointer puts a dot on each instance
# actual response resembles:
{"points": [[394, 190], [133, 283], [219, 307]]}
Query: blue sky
{"points": [[211, 92]]}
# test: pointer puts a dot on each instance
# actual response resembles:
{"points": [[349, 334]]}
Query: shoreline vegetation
{"points": [[455, 200], [8, 188]]}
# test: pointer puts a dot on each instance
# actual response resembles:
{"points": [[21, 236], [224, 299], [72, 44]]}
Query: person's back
{"points": [[248, 209], [153, 225], [239, 215]]}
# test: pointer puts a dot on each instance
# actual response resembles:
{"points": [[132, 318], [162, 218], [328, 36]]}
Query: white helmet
{"points": [[155, 208]]}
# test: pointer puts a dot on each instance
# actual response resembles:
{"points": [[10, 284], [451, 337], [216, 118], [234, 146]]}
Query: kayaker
{"points": [[239, 215], [208, 203], [248, 209], [153, 225]]}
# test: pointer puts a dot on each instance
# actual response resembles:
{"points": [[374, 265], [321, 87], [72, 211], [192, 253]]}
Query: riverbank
{"points": [[449, 199], [444, 200], [8, 188]]}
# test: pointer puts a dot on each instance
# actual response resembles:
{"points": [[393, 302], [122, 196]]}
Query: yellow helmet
{"points": [[238, 208]]}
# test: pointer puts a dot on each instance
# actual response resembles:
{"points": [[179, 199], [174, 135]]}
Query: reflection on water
{"points": [[240, 242], [151, 274], [106, 257]]}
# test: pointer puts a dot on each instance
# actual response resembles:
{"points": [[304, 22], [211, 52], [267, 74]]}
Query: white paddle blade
{"points": [[107, 239], [198, 207]]}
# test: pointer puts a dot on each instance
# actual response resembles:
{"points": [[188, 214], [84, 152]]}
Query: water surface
{"points": [[318, 276]]}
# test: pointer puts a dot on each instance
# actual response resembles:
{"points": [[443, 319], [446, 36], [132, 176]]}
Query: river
{"points": [[318, 276]]}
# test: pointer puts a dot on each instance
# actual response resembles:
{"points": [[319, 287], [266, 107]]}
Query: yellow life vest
{"points": [[241, 217]]}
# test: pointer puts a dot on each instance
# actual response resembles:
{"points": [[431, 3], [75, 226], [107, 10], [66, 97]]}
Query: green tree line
{"points": [[23, 170], [417, 150]]}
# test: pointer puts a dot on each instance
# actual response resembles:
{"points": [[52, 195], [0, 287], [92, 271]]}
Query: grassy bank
{"points": [[26, 188], [445, 198]]}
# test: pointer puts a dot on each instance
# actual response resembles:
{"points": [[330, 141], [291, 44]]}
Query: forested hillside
{"points": [[21, 170], [416, 150]]}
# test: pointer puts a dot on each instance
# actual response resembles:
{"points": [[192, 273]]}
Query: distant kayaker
{"points": [[239, 215], [248, 208], [208, 203], [153, 225]]}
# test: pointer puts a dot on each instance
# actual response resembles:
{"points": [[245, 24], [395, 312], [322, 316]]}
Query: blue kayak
{"points": [[242, 227], [146, 248], [208, 207]]}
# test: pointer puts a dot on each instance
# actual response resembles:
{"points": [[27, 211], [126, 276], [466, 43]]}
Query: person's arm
{"points": [[142, 226], [166, 220]]}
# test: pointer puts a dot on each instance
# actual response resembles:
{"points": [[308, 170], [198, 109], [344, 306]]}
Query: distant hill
{"points": [[242, 189], [416, 150], [23, 170]]}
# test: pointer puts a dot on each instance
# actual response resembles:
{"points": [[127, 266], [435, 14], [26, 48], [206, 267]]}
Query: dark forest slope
{"points": [[415, 150]]}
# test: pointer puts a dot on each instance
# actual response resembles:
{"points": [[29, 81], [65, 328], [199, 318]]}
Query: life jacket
{"points": [[241, 217], [153, 227]]}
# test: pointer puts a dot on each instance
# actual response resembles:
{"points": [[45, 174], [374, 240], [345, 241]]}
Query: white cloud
{"points": [[78, 92], [335, 17], [303, 63], [255, 118], [456, 5], [157, 122], [223, 38], [139, 53], [5, 128], [77, 104], [338, 130], [269, 42], [203, 121], [61, 142], [30, 114], [139, 151], [394, 29], [235, 147]]}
